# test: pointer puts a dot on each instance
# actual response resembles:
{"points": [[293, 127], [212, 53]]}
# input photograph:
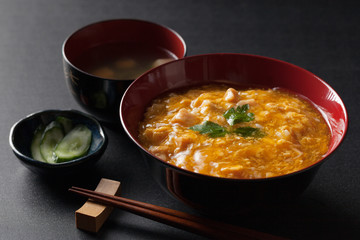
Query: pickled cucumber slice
{"points": [[35, 144], [65, 122], [52, 135], [75, 144]]}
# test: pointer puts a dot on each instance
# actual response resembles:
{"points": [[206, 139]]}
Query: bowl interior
{"points": [[22, 132], [123, 30], [234, 69]]}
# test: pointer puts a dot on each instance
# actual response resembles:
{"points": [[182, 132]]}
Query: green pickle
{"points": [[59, 141], [52, 135], [75, 144], [35, 144]]}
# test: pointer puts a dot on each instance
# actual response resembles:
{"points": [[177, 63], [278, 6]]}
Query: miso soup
{"points": [[122, 61]]}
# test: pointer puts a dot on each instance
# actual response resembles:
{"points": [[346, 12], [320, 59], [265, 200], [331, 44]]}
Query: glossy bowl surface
{"points": [[222, 195], [101, 96], [21, 135]]}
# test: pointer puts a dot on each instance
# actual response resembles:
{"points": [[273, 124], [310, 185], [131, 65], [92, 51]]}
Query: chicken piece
{"points": [[231, 95], [161, 152], [183, 142], [199, 100], [185, 118], [233, 171], [156, 136], [251, 102], [207, 107]]}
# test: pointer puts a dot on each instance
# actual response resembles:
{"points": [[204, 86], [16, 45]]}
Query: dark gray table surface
{"points": [[320, 36]]}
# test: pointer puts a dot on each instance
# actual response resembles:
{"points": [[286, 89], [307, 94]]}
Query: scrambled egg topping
{"points": [[296, 135]]}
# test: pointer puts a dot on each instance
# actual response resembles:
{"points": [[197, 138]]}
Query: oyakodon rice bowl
{"points": [[230, 190], [219, 131]]}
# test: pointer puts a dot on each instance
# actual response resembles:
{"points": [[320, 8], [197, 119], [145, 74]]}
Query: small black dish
{"points": [[21, 135]]}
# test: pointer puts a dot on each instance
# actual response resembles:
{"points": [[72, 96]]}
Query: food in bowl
{"points": [[122, 60], [220, 195], [59, 141], [102, 59], [225, 132]]}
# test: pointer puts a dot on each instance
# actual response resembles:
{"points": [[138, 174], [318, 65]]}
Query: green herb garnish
{"points": [[249, 132], [232, 116], [238, 115], [212, 129]]}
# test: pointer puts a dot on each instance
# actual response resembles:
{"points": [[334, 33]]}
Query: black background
{"points": [[320, 36]]}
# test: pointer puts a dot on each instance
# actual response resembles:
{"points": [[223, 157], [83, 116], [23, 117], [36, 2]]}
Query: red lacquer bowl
{"points": [[101, 96], [223, 195]]}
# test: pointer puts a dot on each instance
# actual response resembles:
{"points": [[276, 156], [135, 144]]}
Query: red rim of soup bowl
{"points": [[338, 123], [70, 51]]}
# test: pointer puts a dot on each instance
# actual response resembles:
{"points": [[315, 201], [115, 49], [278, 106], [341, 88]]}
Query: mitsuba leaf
{"points": [[249, 132], [210, 128], [238, 115], [232, 116]]}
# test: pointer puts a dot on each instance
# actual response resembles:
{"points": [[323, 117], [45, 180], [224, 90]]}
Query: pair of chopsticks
{"points": [[195, 224]]}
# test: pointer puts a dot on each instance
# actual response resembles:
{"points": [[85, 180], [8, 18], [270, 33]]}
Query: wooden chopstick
{"points": [[199, 225], [215, 224]]}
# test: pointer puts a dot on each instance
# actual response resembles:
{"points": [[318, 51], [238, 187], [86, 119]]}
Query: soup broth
{"points": [[220, 131], [122, 61]]}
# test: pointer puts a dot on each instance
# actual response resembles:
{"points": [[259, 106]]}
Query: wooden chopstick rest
{"points": [[92, 215]]}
